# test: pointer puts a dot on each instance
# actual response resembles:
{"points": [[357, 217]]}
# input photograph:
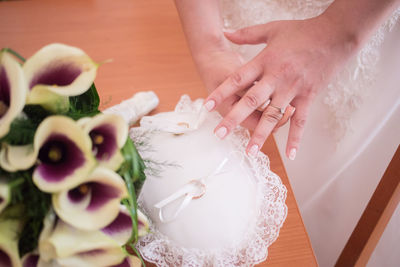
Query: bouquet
{"points": [[69, 174]]}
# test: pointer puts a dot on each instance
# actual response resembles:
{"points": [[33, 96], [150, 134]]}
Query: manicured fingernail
{"points": [[221, 132], [209, 105], [253, 150], [228, 30], [292, 154]]}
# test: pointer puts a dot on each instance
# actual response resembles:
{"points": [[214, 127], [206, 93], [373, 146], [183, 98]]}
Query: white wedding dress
{"points": [[352, 132]]}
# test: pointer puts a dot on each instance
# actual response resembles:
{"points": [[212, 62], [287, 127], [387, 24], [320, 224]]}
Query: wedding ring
{"points": [[286, 116], [201, 186], [281, 110], [184, 124], [264, 105]]}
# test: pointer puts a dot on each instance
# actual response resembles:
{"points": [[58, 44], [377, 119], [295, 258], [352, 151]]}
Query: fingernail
{"points": [[228, 30], [253, 150], [221, 132], [292, 154], [209, 105]]}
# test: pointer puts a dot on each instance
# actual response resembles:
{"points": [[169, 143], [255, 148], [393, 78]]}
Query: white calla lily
{"points": [[5, 195], [13, 91], [93, 204], [67, 246], [108, 133], [64, 153], [57, 71], [9, 255]]}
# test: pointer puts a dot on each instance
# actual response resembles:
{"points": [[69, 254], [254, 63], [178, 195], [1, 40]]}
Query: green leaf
{"points": [[36, 113], [132, 170], [133, 165], [86, 104], [33, 204], [22, 132]]}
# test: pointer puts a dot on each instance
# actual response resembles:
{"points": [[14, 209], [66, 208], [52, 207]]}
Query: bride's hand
{"points": [[299, 60], [214, 66]]}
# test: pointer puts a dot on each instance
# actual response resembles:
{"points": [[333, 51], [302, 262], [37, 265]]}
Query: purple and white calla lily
{"points": [[56, 72], [131, 261], [9, 255], [13, 91], [32, 259], [64, 153], [64, 245], [121, 228], [108, 133], [15, 158], [94, 203]]}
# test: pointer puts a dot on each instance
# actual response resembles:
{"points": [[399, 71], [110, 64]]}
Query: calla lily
{"points": [[30, 260], [94, 203], [13, 90], [9, 255], [121, 228], [64, 153], [4, 195], [130, 261], [65, 245], [57, 71], [108, 133], [143, 224], [4, 162], [14, 158]]}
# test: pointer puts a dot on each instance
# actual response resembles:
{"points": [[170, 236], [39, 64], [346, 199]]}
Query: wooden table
{"points": [[145, 41]]}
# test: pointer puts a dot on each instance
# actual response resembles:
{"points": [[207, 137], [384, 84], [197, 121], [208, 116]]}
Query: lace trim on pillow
{"points": [[271, 195]]}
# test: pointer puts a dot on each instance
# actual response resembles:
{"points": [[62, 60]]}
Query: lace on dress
{"points": [[349, 88]]}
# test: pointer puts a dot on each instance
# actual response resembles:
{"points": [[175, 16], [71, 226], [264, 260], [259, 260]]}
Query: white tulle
{"points": [[351, 86], [167, 245]]}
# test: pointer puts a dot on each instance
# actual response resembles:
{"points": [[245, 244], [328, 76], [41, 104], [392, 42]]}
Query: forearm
{"points": [[202, 25], [358, 19]]}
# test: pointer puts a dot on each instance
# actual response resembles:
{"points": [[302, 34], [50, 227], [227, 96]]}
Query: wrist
{"points": [[336, 39], [208, 44], [346, 38]]}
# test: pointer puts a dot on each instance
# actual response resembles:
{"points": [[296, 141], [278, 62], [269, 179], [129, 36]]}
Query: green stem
{"points": [[9, 50], [16, 182], [132, 207], [139, 256]]}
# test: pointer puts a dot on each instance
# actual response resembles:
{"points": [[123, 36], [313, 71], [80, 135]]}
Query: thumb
{"points": [[256, 34]]}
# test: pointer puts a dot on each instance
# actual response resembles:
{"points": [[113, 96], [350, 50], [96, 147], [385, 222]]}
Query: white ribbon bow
{"points": [[192, 190]]}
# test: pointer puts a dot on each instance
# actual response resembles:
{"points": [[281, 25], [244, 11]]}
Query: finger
{"points": [[250, 122], [241, 79], [249, 35], [297, 124], [270, 117], [250, 101], [286, 116]]}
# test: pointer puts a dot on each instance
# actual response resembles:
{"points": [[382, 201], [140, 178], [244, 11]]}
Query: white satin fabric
{"points": [[340, 162]]}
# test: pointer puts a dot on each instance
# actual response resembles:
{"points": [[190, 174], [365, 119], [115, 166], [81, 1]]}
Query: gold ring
{"points": [[200, 185], [281, 110]]}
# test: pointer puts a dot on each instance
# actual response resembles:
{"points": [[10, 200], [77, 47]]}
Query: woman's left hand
{"points": [[299, 60]]}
